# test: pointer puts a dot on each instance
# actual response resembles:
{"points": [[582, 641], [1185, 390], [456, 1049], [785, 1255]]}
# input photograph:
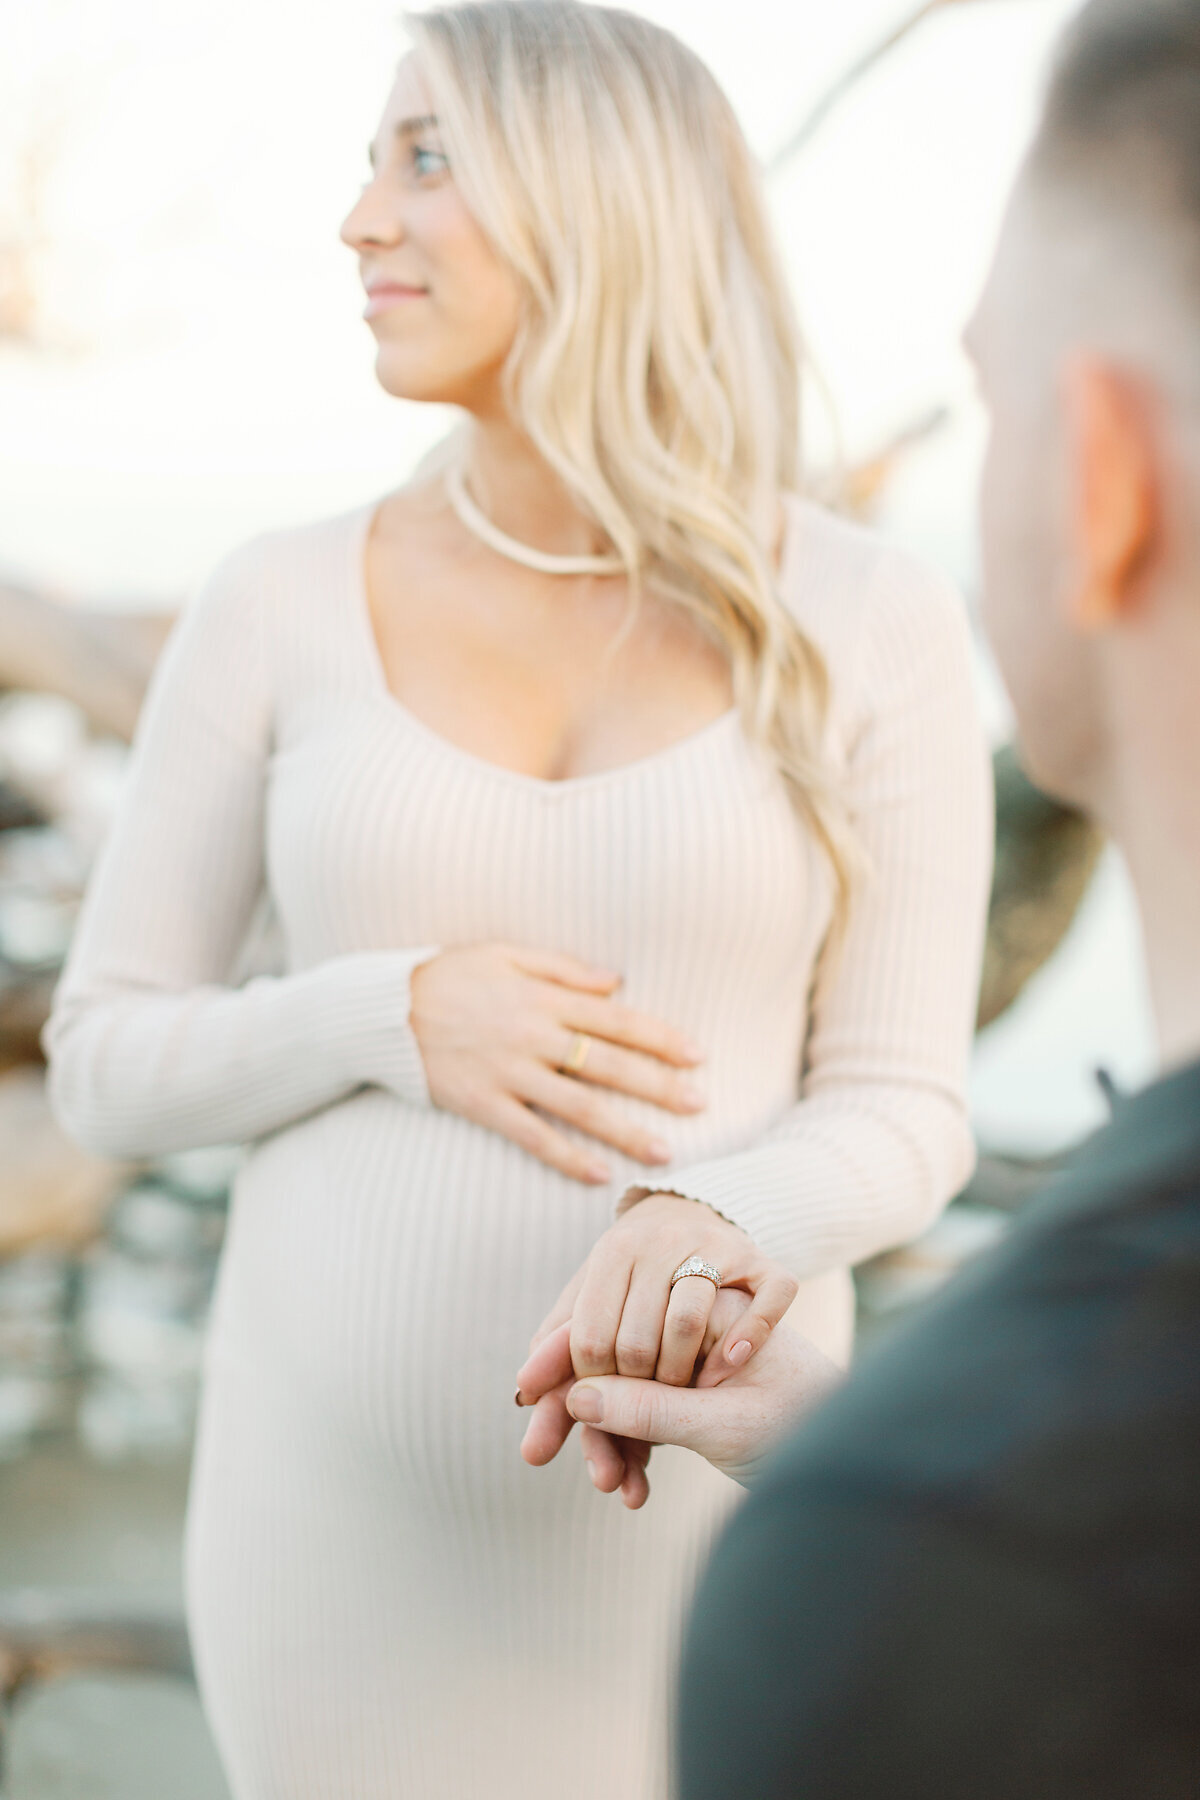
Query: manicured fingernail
{"points": [[739, 1352], [591, 1469], [519, 1397], [692, 1095], [659, 1149], [586, 1404], [598, 1171]]}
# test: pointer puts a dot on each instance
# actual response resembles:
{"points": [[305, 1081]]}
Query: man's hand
{"points": [[734, 1425], [731, 1416]]}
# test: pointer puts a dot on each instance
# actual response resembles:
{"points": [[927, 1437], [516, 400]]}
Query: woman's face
{"points": [[445, 309]]}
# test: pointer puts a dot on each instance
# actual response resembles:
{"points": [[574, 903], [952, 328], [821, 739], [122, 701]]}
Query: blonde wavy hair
{"points": [[657, 366]]}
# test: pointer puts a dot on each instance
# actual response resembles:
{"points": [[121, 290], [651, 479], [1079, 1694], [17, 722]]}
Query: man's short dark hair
{"points": [[1122, 112]]}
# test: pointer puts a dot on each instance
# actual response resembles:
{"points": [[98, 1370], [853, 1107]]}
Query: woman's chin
{"points": [[408, 372], [404, 380]]}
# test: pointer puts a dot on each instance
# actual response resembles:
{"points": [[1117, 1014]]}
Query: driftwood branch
{"points": [[856, 490], [810, 124], [100, 660], [53, 1194], [45, 1637]]}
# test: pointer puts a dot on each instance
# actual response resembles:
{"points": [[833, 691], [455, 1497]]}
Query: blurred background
{"points": [[183, 362]]}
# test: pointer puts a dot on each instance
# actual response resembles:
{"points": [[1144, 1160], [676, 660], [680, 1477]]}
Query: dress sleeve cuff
{"points": [[367, 1018], [684, 1191]]}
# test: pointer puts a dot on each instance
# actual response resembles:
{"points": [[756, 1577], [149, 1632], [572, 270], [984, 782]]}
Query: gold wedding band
{"points": [[577, 1055]]}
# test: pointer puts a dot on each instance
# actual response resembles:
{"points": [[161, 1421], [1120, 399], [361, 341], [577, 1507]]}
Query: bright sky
{"points": [[214, 374]]}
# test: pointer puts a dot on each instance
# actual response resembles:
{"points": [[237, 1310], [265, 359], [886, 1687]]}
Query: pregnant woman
{"points": [[627, 820]]}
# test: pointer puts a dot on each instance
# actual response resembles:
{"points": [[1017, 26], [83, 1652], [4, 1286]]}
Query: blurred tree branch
{"points": [[809, 125], [1046, 855]]}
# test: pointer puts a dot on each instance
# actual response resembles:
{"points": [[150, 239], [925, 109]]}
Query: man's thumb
{"points": [[648, 1410]]}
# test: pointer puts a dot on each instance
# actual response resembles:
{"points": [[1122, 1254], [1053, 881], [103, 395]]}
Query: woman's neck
{"points": [[521, 495], [518, 491]]}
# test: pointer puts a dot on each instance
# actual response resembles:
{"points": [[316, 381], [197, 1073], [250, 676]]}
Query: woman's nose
{"points": [[371, 220]]}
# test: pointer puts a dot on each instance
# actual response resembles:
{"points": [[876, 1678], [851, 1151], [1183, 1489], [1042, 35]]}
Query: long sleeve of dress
{"points": [[879, 1139], [149, 1047]]}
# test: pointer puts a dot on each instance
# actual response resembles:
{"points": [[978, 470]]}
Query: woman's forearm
{"points": [[135, 1073], [842, 1177]]}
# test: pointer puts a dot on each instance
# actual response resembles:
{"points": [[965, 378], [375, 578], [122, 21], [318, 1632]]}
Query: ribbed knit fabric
{"points": [[384, 1600]]}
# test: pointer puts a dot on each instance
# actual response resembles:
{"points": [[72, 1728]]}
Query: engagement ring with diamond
{"points": [[696, 1265]]}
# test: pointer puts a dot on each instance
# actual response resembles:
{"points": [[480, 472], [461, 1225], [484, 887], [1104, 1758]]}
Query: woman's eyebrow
{"points": [[407, 128]]}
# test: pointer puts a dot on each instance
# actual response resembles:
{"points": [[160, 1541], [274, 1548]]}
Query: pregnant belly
{"points": [[391, 1263]]}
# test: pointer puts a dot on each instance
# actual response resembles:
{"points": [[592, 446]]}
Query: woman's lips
{"points": [[380, 299]]}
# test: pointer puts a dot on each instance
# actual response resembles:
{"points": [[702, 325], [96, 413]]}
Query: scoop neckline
{"points": [[361, 521]]}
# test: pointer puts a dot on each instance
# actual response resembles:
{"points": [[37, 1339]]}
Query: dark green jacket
{"points": [[974, 1574]]}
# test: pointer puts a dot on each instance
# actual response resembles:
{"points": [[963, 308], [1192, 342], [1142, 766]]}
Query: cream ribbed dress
{"points": [[385, 1601]]}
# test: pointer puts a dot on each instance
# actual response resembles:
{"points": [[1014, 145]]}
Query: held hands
{"points": [[495, 1023], [621, 1316], [732, 1417]]}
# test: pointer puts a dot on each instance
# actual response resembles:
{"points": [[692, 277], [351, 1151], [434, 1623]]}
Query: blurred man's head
{"points": [[1087, 341]]}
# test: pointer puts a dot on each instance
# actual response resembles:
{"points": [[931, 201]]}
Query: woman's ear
{"points": [[1115, 489]]}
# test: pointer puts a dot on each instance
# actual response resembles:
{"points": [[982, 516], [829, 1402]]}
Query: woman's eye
{"points": [[428, 162]]}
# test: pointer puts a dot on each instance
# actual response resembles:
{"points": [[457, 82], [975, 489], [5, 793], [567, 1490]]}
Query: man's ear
{"points": [[1115, 491]]}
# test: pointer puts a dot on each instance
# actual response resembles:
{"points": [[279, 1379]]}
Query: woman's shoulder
{"points": [[279, 577], [840, 577], [304, 550], [309, 555], [886, 620]]}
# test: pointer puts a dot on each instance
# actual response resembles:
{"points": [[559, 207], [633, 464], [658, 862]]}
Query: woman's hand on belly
{"points": [[626, 1317], [496, 1023]]}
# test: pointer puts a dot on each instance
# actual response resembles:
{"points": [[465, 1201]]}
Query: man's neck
{"points": [[1173, 956], [1149, 795], [1157, 824]]}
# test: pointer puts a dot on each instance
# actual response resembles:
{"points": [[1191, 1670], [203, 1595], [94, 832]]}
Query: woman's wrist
{"points": [[633, 1196]]}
